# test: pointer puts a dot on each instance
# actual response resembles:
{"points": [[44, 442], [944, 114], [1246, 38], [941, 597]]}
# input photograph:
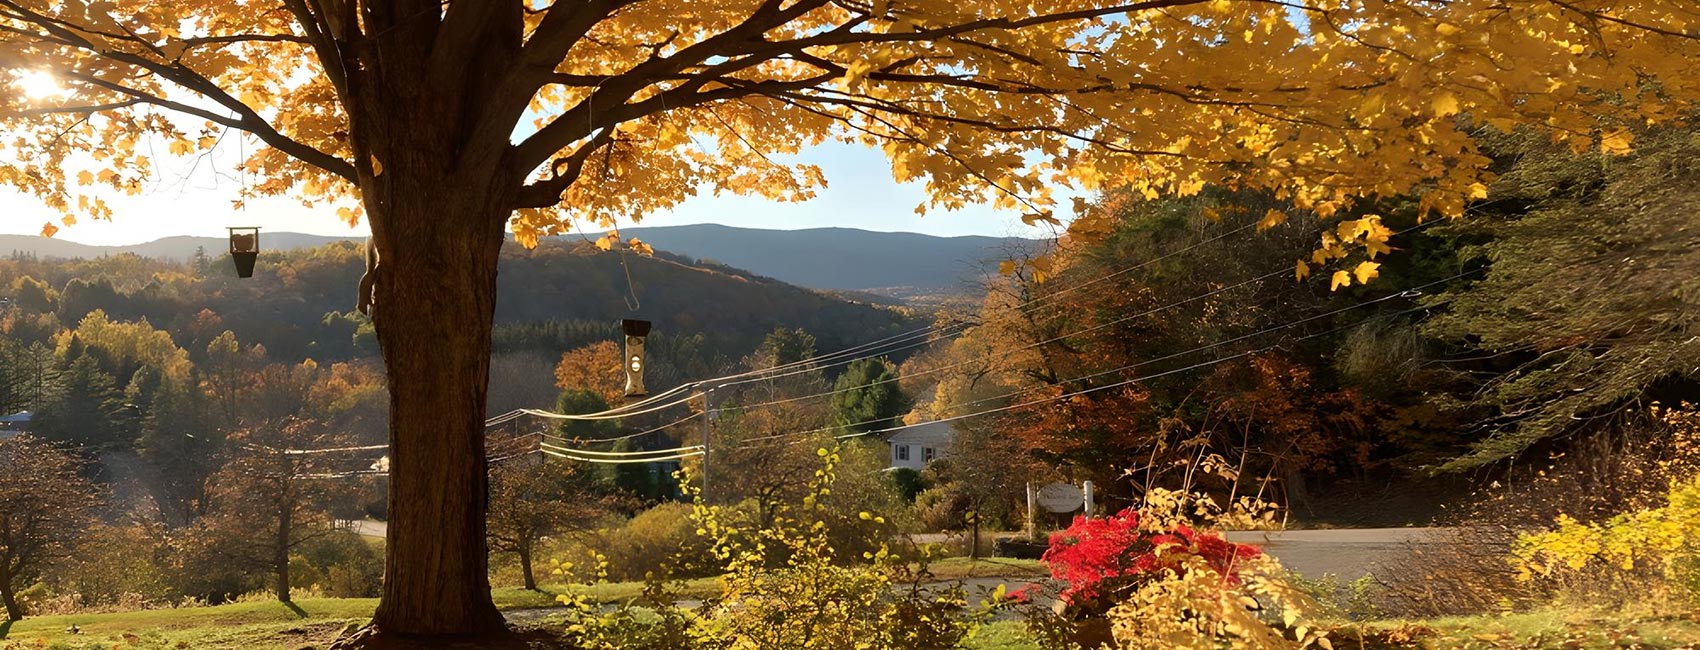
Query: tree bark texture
{"points": [[14, 611], [438, 193], [280, 551], [525, 567], [433, 312]]}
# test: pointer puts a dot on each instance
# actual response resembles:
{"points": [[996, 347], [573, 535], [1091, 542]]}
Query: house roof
{"points": [[937, 434], [17, 418]]}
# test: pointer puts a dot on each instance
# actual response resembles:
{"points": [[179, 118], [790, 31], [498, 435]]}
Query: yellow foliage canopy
{"points": [[614, 109]]}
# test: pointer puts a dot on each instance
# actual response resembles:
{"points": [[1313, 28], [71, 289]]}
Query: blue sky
{"points": [[860, 194]]}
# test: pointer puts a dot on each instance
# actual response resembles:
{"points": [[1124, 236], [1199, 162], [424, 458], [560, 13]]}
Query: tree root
{"points": [[373, 638]]}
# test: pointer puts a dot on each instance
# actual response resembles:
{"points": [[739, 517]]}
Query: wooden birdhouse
{"points": [[244, 249]]}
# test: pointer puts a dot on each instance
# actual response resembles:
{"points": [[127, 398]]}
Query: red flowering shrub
{"points": [[1100, 560]]}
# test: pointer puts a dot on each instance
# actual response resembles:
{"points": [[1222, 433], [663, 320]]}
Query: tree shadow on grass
{"points": [[299, 613], [5, 628]]}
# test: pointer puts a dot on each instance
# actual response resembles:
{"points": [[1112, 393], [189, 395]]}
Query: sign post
{"points": [[1060, 498], [1032, 511]]}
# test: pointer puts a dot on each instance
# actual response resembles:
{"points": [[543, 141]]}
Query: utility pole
{"points": [[1032, 512], [707, 408]]}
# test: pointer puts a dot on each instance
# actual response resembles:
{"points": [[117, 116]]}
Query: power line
{"points": [[1054, 339], [1411, 292], [616, 454], [606, 461], [913, 338], [1078, 393]]}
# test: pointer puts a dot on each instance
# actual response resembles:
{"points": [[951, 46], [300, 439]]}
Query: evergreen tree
{"points": [[83, 408], [869, 396]]}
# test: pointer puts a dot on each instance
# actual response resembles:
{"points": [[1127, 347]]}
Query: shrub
{"points": [[1101, 560], [660, 537], [788, 585], [1662, 541], [1159, 584], [1627, 467], [340, 564], [116, 564]]}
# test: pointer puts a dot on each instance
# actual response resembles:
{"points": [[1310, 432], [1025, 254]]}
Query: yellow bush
{"points": [[1198, 608], [1664, 539]]}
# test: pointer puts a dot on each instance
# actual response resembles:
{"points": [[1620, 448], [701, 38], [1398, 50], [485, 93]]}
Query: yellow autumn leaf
{"points": [[606, 242], [856, 73], [377, 167], [1366, 271], [1006, 267], [1617, 143], [1444, 103], [348, 215], [1035, 218], [49, 230], [1374, 247], [1340, 279], [640, 247], [1271, 219], [1301, 271]]}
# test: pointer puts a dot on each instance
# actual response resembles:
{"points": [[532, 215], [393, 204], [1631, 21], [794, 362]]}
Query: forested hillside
{"points": [[893, 264], [300, 304], [1180, 344]]}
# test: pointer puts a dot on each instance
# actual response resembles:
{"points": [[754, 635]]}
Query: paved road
{"points": [[1346, 553], [369, 528]]}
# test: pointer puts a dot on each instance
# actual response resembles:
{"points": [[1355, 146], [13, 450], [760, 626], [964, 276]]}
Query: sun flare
{"points": [[39, 84]]}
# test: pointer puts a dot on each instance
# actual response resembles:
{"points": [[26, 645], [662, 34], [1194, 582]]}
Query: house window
{"points": [[902, 452], [927, 454]]}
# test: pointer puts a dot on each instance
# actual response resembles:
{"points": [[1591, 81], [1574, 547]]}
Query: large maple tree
{"points": [[447, 123]]}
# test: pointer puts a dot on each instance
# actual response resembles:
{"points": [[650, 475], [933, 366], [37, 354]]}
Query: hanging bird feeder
{"points": [[244, 249], [635, 331]]}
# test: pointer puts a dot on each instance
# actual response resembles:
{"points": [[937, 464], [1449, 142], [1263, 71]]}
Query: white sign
{"points": [[1060, 497]]}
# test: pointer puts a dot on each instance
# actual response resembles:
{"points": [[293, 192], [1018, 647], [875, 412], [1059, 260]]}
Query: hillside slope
{"points": [[836, 259], [557, 296]]}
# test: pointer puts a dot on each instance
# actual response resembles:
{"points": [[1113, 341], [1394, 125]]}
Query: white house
{"points": [[918, 445]]}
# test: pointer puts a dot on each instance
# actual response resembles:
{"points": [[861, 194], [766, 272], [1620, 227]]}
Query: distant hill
{"points": [[178, 248], [556, 297], [890, 263], [905, 265]]}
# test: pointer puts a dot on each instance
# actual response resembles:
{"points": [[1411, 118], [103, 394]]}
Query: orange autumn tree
{"points": [[597, 367], [446, 123]]}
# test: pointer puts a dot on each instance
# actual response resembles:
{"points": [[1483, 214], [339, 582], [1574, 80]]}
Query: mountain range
{"points": [[893, 264]]}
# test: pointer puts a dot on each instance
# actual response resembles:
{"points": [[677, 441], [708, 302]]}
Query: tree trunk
{"points": [[439, 236], [14, 611], [280, 554], [974, 544], [525, 567]]}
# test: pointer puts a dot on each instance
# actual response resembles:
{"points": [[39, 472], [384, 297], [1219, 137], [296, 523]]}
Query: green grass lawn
{"points": [[314, 622], [958, 568], [264, 625], [1559, 628], [1547, 629]]}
